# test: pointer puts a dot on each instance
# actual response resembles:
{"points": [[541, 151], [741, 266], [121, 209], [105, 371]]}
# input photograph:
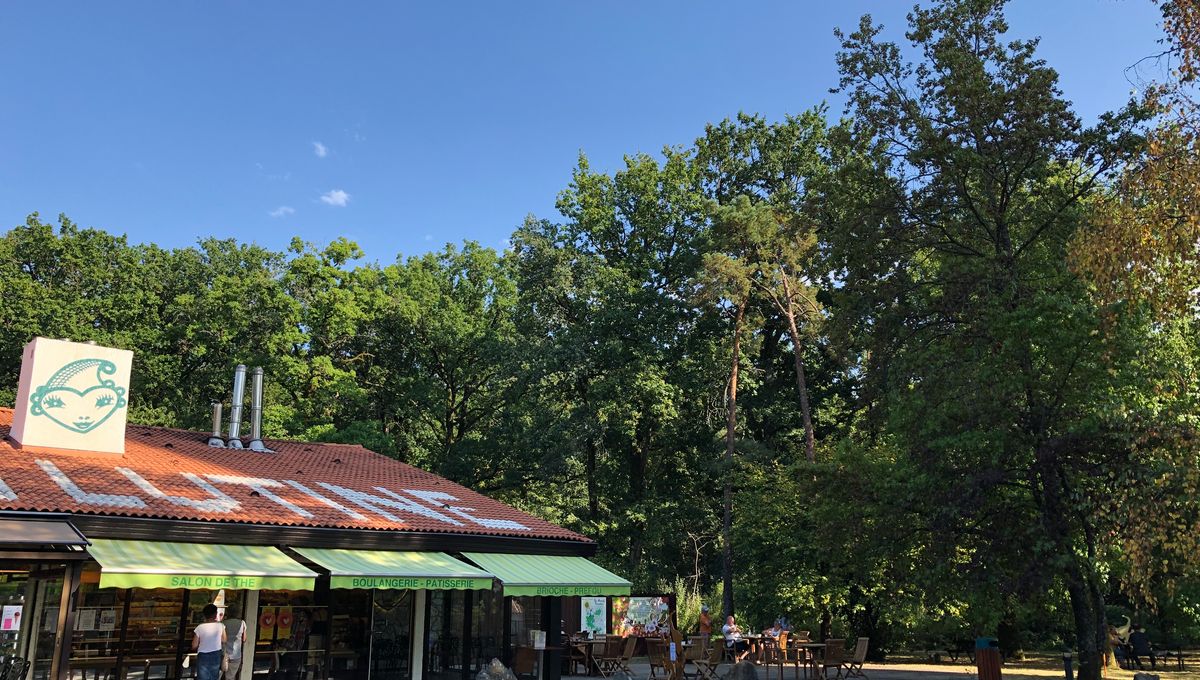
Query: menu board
{"points": [[639, 615], [593, 615]]}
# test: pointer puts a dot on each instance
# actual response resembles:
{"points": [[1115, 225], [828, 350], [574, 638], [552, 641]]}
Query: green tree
{"points": [[963, 180]]}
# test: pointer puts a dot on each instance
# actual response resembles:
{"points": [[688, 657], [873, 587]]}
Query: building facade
{"points": [[344, 563]]}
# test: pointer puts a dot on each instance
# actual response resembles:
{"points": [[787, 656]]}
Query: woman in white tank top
{"points": [[208, 641]]}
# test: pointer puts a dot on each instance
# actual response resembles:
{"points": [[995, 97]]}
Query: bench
{"points": [[1177, 655], [952, 653]]}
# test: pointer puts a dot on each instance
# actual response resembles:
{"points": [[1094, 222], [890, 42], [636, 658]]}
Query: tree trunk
{"points": [[802, 384], [590, 446], [1083, 587], [593, 496], [639, 457], [1087, 609], [730, 440]]}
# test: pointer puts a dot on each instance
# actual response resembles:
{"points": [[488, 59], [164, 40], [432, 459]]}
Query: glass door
{"points": [[446, 653], [391, 634]]}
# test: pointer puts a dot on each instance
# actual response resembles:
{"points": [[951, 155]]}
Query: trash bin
{"points": [[987, 658]]}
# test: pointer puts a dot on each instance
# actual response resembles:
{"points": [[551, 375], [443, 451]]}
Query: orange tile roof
{"points": [[172, 474]]}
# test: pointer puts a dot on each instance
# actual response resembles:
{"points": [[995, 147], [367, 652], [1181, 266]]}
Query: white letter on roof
{"points": [[331, 503], [262, 486], [396, 502], [6, 492], [436, 498], [85, 498], [218, 503]]}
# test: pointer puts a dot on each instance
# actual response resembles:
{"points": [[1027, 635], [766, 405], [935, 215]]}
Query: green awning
{"points": [[385, 569], [550, 575], [158, 564]]}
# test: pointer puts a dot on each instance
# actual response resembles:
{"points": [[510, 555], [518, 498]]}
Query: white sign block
{"points": [[72, 396]]}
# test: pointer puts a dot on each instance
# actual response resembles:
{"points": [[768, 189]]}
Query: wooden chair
{"points": [[771, 655], [608, 661], [625, 661], [835, 654], [656, 650], [790, 655], [578, 656], [853, 666], [697, 651], [706, 667]]}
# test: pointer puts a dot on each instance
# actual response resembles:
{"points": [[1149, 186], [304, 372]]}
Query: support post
{"points": [[250, 616], [60, 662], [552, 622], [468, 600], [33, 604], [420, 597]]}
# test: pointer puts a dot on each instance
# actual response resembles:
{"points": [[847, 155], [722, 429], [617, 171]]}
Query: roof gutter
{"points": [[235, 533]]}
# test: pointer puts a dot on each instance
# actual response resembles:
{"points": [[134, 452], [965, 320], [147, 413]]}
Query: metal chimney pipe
{"points": [[215, 439], [256, 404], [235, 412]]}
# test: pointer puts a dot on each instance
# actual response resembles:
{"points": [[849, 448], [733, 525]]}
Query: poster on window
{"points": [[593, 615], [639, 615], [11, 617]]}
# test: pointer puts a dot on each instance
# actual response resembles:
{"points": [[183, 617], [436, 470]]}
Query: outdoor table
{"points": [[585, 647], [757, 641], [814, 647]]}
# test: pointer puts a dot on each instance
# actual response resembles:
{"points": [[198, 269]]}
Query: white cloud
{"points": [[320, 149], [282, 211], [336, 197]]}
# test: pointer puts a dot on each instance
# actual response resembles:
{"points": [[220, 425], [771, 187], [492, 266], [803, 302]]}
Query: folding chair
{"points": [[789, 654], [853, 666], [656, 651], [771, 655], [625, 661], [608, 661], [706, 667], [835, 653], [697, 650]]}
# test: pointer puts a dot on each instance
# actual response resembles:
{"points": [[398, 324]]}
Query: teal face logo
{"points": [[78, 398]]}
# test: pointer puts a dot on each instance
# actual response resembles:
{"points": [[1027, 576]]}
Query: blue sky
{"points": [[406, 126]]}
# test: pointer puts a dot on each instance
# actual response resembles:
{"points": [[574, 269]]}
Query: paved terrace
{"points": [[1034, 668]]}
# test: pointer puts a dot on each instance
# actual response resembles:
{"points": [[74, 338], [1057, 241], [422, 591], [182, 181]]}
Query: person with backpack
{"points": [[235, 637]]}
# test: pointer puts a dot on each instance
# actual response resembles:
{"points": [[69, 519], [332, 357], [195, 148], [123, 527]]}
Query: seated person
{"points": [[1140, 646], [738, 647], [774, 630]]}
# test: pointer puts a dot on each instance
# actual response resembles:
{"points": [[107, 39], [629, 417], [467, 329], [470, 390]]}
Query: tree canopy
{"points": [[927, 371]]}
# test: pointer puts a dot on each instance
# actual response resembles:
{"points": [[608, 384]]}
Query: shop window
{"points": [[350, 618], [292, 632], [153, 634], [99, 618], [487, 628], [391, 634], [37, 590], [526, 618], [444, 635]]}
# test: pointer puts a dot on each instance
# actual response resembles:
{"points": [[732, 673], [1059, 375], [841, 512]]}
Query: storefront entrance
{"points": [[391, 634]]}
